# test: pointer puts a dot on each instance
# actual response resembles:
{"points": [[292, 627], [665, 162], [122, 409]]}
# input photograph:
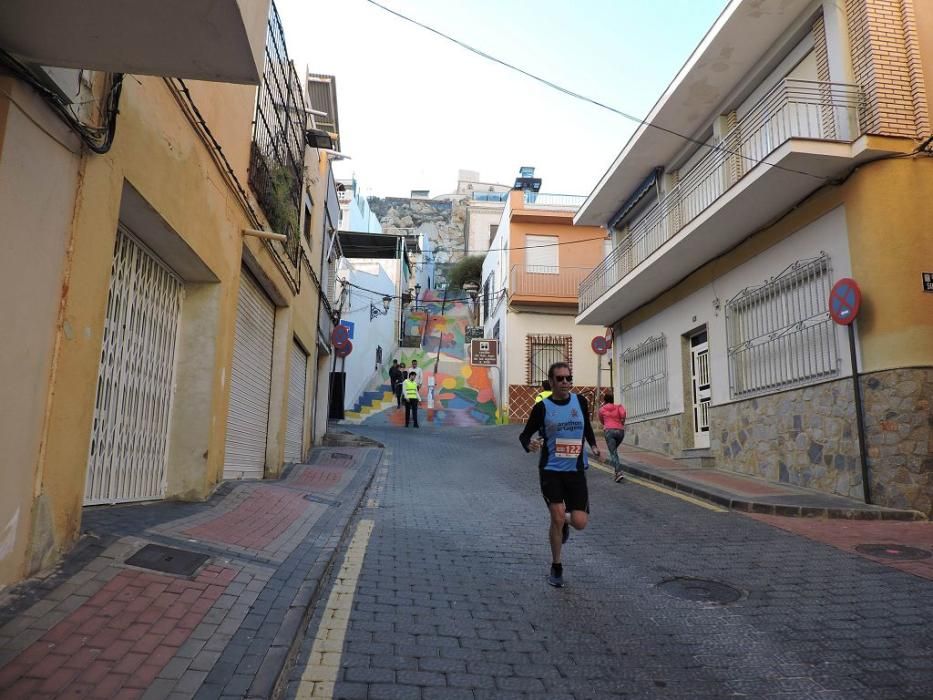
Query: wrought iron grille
{"points": [[644, 378], [779, 334], [276, 164], [543, 351]]}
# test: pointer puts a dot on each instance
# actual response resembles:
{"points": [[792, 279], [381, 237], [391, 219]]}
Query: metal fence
{"points": [[793, 109], [779, 334], [644, 378], [276, 164]]}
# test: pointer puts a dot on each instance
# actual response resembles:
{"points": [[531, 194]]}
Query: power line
{"points": [[578, 96], [487, 250]]}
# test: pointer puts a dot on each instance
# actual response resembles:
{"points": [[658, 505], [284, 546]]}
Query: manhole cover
{"points": [[700, 590], [167, 560], [893, 551], [321, 499]]}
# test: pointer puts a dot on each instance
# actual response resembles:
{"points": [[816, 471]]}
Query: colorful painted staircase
{"points": [[463, 395]]}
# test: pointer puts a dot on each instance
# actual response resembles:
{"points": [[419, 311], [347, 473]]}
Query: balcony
{"points": [[545, 284], [219, 41], [799, 136], [276, 166]]}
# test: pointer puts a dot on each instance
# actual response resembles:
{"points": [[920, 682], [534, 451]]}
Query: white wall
{"points": [[827, 234], [360, 365], [584, 359]]}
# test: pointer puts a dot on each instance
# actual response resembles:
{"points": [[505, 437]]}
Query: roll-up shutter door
{"points": [[135, 381], [250, 382], [294, 429], [541, 254]]}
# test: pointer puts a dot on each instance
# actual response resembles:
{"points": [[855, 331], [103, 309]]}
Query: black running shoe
{"points": [[565, 533], [556, 577]]}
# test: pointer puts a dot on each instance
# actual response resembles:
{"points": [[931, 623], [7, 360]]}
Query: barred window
{"points": [[543, 351], [644, 378], [779, 334]]}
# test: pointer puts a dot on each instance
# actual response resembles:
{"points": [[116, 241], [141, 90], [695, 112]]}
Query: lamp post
{"points": [[417, 294], [472, 288]]}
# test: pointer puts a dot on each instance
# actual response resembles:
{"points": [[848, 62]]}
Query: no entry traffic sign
{"points": [[340, 336], [845, 298]]}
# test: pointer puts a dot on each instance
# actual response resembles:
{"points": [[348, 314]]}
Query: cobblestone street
{"points": [[442, 594]]}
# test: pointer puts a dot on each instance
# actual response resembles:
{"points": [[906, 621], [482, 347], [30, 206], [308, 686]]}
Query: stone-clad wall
{"points": [[663, 434], [899, 432], [808, 437], [805, 437]]}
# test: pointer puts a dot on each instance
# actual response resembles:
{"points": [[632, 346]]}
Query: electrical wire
{"points": [[590, 100], [478, 251], [97, 139]]}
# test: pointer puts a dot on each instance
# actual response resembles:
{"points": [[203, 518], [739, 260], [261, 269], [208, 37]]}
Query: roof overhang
{"points": [[374, 246], [734, 47], [222, 41]]}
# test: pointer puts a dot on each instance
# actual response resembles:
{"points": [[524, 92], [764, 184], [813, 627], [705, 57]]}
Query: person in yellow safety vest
{"points": [[545, 391], [410, 393]]}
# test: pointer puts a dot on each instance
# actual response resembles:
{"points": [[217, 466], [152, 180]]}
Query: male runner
{"points": [[563, 422]]}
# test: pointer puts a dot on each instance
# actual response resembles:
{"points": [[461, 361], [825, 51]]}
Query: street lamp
{"points": [[417, 294], [472, 288], [373, 311]]}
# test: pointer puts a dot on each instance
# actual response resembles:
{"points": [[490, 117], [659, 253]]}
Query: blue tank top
{"points": [[563, 435]]}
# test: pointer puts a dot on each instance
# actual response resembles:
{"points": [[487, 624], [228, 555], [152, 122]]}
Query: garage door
{"points": [[294, 429], [135, 381], [250, 381]]}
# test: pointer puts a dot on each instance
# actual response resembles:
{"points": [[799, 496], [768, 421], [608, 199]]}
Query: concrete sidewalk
{"points": [[106, 625], [746, 493]]}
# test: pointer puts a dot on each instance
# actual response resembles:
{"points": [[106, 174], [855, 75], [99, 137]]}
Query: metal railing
{"points": [[793, 109], [545, 200], [546, 280], [276, 165]]}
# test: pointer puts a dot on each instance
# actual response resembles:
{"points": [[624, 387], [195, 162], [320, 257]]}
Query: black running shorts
{"points": [[568, 488]]}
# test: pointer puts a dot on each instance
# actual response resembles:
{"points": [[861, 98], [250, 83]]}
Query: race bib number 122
{"points": [[568, 448]]}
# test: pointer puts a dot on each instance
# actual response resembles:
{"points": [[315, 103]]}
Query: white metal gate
{"points": [[250, 383], [294, 428], [135, 382], [702, 394]]}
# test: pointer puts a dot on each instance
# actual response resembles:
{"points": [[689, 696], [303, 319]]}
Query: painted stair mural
{"points": [[463, 395]]}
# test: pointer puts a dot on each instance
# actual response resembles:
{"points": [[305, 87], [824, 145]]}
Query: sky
{"points": [[415, 109]]}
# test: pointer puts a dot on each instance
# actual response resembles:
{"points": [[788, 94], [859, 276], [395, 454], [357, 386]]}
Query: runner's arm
{"points": [[534, 424]]}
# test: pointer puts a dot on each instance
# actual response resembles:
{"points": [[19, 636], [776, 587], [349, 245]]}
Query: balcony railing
{"points": [[276, 163], [545, 200], [546, 280], [799, 109]]}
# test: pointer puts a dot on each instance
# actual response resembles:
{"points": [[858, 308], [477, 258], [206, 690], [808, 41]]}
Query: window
{"points": [[487, 289], [541, 254], [542, 352], [779, 334], [644, 378], [493, 229], [307, 226]]}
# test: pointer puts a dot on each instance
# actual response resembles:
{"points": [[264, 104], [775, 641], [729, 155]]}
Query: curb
{"points": [[271, 677], [748, 505]]}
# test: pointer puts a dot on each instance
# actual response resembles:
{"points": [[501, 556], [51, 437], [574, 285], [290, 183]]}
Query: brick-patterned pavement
{"points": [[100, 628]]}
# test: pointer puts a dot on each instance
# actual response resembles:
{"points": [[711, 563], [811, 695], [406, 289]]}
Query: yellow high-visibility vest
{"points": [[410, 389]]}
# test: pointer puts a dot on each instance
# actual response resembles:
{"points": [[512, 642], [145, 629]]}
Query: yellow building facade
{"points": [[152, 348]]}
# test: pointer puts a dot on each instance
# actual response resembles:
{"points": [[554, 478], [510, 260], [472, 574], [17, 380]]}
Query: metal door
{"points": [[250, 383], [136, 378], [294, 428], [699, 366]]}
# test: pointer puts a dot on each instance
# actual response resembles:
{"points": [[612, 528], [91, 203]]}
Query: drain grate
{"points": [[893, 551], [314, 498], [340, 455], [167, 560], [700, 590]]}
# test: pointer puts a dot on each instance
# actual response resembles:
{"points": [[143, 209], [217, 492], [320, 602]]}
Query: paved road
{"points": [[446, 598]]}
